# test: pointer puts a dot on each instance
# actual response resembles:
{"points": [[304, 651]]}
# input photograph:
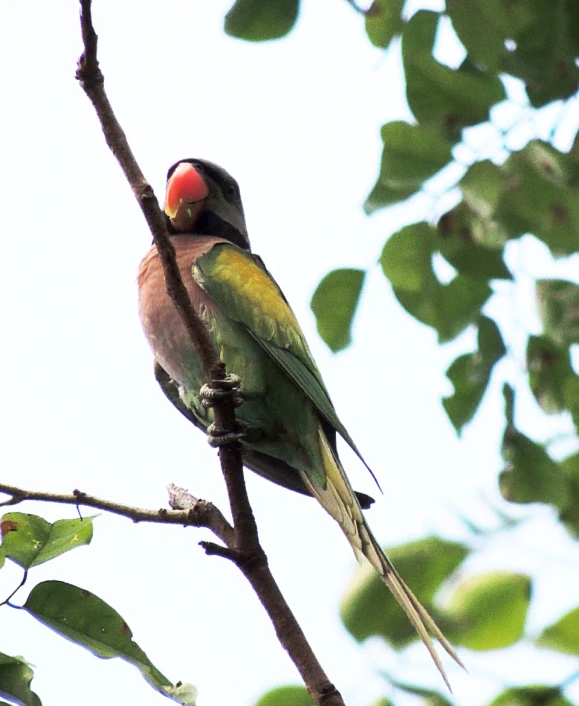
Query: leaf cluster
{"points": [[73, 612], [503, 193]]}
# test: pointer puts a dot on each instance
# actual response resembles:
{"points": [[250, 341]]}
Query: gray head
{"points": [[203, 199]]}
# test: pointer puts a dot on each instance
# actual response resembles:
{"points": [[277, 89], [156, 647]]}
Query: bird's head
{"points": [[203, 199]]}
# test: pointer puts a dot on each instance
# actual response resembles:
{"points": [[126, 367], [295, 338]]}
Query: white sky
{"points": [[297, 123]]}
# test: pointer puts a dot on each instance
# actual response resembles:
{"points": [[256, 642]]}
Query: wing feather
{"points": [[241, 285]]}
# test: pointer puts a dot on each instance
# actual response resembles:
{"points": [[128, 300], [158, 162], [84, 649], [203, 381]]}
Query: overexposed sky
{"points": [[297, 123]]}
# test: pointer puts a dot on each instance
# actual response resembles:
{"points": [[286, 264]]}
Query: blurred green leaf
{"points": [[286, 696], [537, 197], [384, 21], [509, 397], [569, 513], [549, 369], [334, 304], [368, 608], [571, 398], [531, 696], [558, 302], [407, 259], [87, 620], [429, 697], [407, 262], [488, 611], [411, 155], [530, 475], [259, 21], [544, 49], [15, 678], [383, 195], [482, 188], [441, 98], [459, 230], [470, 374], [482, 26], [563, 635], [30, 540]]}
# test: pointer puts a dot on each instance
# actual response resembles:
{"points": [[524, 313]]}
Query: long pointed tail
{"points": [[339, 501], [416, 612]]}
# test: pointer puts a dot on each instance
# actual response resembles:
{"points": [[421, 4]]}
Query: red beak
{"points": [[186, 190]]}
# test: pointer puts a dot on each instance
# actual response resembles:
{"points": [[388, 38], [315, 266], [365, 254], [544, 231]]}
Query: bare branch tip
{"points": [[212, 549]]}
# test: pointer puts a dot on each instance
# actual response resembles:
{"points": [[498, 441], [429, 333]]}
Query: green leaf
{"points": [[531, 696], [407, 262], [509, 397], [30, 540], [571, 398], [482, 188], [558, 302], [412, 154], [573, 26], [539, 197], [462, 301], [87, 620], [544, 49], [334, 304], [15, 678], [530, 475], [429, 697], [563, 635], [286, 696], [459, 231], [549, 369], [488, 611], [259, 21], [407, 259], [470, 374], [482, 26], [384, 21], [569, 513], [441, 98], [383, 195], [368, 608]]}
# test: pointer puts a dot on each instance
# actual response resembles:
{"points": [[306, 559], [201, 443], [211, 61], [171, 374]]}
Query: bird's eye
{"points": [[231, 190]]}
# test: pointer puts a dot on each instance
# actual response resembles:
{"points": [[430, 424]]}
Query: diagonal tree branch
{"points": [[245, 551], [92, 81]]}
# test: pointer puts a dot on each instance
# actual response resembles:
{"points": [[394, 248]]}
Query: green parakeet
{"points": [[257, 336]]}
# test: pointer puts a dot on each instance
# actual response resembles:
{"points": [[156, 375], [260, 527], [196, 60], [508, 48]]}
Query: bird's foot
{"points": [[211, 394], [245, 432]]}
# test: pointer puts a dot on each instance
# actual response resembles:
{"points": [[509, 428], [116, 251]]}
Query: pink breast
{"points": [[161, 322]]}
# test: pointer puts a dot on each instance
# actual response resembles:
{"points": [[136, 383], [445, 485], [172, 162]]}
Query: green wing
{"points": [[171, 392], [241, 285]]}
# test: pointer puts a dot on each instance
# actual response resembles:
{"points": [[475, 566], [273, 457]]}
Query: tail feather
{"points": [[339, 501]]}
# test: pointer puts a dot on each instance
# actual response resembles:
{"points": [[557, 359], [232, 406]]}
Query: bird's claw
{"points": [[211, 394], [217, 437]]}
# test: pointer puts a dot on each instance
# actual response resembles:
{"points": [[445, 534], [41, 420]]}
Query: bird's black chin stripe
{"points": [[211, 224]]}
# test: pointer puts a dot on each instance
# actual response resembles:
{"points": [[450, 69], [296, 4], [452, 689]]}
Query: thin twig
{"points": [[245, 549], [202, 514], [92, 81], [6, 601]]}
